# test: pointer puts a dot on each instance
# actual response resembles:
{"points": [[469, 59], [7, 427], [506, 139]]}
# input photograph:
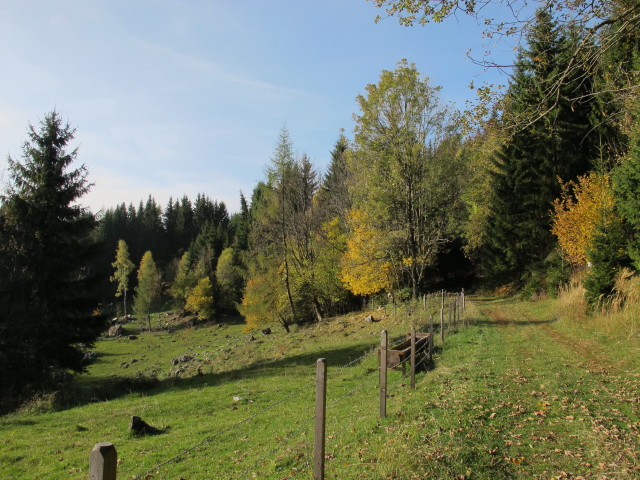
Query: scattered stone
{"points": [[89, 357], [115, 331], [266, 331], [237, 399], [134, 360], [369, 319], [133, 337], [140, 427], [181, 359]]}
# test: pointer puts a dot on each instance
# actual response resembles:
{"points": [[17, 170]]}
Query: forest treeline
{"points": [[543, 187]]}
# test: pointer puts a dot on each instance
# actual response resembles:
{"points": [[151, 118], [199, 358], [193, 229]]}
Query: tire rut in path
{"points": [[585, 350]]}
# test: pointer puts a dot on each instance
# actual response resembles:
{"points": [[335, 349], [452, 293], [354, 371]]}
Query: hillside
{"points": [[516, 394]]}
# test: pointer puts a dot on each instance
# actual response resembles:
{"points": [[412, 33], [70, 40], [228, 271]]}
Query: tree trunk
{"points": [[285, 324], [316, 309]]}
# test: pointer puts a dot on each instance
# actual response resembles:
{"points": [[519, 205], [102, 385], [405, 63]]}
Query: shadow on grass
{"points": [[108, 388], [483, 322]]}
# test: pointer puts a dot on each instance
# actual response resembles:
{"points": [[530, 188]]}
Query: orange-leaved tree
{"points": [[582, 205]]}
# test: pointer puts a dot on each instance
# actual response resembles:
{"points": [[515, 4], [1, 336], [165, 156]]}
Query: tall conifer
{"points": [[47, 295], [543, 147]]}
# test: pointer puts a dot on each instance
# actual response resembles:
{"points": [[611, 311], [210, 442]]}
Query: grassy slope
{"points": [[515, 395]]}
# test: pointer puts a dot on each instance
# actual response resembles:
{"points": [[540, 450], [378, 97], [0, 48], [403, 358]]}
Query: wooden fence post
{"points": [[430, 338], [442, 326], [321, 410], [103, 462], [413, 357], [384, 340], [455, 310], [463, 318]]}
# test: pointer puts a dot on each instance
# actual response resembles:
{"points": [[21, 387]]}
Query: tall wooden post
{"points": [[455, 310], [103, 462], [321, 410], [464, 304], [384, 340], [430, 338], [413, 357], [442, 325]]}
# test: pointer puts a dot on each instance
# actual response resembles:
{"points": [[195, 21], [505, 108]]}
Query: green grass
{"points": [[515, 395]]}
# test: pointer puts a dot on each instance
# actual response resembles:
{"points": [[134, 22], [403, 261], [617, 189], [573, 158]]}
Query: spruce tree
{"points": [[607, 257], [333, 196], [626, 184], [47, 296], [550, 140]]}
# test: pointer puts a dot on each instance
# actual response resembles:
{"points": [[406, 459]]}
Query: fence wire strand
{"points": [[290, 435], [437, 327], [225, 430]]}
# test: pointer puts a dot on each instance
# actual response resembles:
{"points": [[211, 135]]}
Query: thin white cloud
{"points": [[215, 70]]}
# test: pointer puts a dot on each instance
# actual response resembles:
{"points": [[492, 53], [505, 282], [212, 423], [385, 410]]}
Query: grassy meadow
{"points": [[520, 393]]}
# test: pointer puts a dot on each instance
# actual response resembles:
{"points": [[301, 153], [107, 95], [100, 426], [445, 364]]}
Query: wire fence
{"points": [[429, 313]]}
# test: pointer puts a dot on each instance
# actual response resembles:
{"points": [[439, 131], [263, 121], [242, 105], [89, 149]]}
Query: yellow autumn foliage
{"points": [[200, 299], [580, 208], [365, 269], [265, 299]]}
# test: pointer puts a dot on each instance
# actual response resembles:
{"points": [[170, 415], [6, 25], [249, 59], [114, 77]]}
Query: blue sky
{"points": [[180, 97]]}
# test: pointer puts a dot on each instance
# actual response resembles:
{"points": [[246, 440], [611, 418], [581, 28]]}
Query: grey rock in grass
{"points": [[115, 331]]}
